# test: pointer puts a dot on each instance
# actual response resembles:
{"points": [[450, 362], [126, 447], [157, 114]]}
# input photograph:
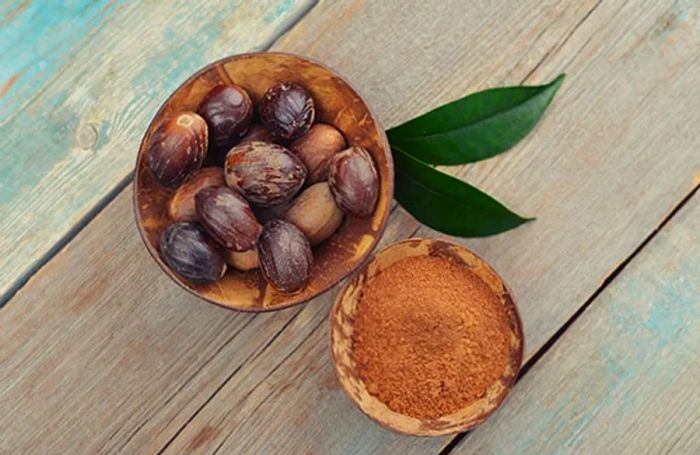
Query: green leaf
{"points": [[448, 204], [475, 127]]}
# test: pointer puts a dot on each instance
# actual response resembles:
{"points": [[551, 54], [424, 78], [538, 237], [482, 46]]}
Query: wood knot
{"points": [[86, 136]]}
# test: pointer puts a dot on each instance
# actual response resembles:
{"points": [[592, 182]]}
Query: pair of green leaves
{"points": [[478, 126]]}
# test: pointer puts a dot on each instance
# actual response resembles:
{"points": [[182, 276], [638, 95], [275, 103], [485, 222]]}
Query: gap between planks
{"points": [[609, 278], [456, 440], [606, 282], [23, 279], [659, 227]]}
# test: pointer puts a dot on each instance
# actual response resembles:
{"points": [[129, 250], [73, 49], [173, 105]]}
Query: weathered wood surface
{"points": [[103, 351], [79, 82], [591, 173], [624, 377]]}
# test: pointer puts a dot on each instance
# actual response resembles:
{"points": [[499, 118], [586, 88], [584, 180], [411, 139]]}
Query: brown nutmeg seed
{"points": [[287, 110], [243, 260], [285, 256], [316, 148], [190, 253], [182, 206], [315, 213], [354, 181], [265, 174], [177, 148], [228, 111], [228, 218]]}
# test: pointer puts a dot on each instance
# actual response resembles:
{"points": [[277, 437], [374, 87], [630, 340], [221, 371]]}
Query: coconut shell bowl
{"points": [[337, 104], [342, 318]]}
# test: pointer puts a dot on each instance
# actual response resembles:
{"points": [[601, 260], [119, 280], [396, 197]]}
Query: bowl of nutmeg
{"points": [[262, 181]]}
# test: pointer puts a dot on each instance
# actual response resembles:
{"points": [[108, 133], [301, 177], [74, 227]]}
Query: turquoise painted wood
{"points": [[37, 38], [624, 378], [79, 82]]}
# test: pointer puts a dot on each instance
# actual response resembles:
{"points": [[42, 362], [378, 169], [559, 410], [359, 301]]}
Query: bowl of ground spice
{"points": [[426, 338]]}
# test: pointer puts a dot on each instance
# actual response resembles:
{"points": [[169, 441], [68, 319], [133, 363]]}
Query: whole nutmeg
{"points": [[316, 148], [265, 174], [177, 148], [228, 111], [189, 251], [285, 256], [182, 205], [287, 110], [354, 181], [315, 213], [228, 218], [257, 133], [243, 260]]}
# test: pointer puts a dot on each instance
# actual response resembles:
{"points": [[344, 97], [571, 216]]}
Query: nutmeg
{"points": [[316, 148], [228, 111], [285, 256], [227, 217], [182, 206], [287, 110], [257, 133], [315, 213], [354, 181], [243, 260], [190, 253], [265, 174], [177, 148]]}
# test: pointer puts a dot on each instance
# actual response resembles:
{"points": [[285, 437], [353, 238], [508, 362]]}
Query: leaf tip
{"points": [[558, 80]]}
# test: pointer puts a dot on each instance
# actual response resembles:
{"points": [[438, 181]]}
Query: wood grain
{"points": [[89, 79], [591, 173], [38, 38], [103, 351], [623, 379]]}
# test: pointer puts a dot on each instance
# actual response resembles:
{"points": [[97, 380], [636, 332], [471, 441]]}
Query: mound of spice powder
{"points": [[429, 336]]}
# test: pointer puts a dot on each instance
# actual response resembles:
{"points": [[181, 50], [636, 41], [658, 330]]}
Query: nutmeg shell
{"points": [[315, 213], [190, 253], [354, 181], [228, 218], [287, 110], [182, 206], [285, 256], [228, 111], [177, 148], [316, 148], [265, 174]]}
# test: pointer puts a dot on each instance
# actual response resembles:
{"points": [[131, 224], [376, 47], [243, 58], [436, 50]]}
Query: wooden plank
{"points": [[81, 84], [38, 38], [623, 379], [193, 365], [119, 357], [81, 361], [592, 172], [590, 216]]}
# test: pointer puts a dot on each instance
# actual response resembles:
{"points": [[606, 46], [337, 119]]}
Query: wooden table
{"points": [[101, 352]]}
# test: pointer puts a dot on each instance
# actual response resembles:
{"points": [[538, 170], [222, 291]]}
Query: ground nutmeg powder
{"points": [[429, 336]]}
